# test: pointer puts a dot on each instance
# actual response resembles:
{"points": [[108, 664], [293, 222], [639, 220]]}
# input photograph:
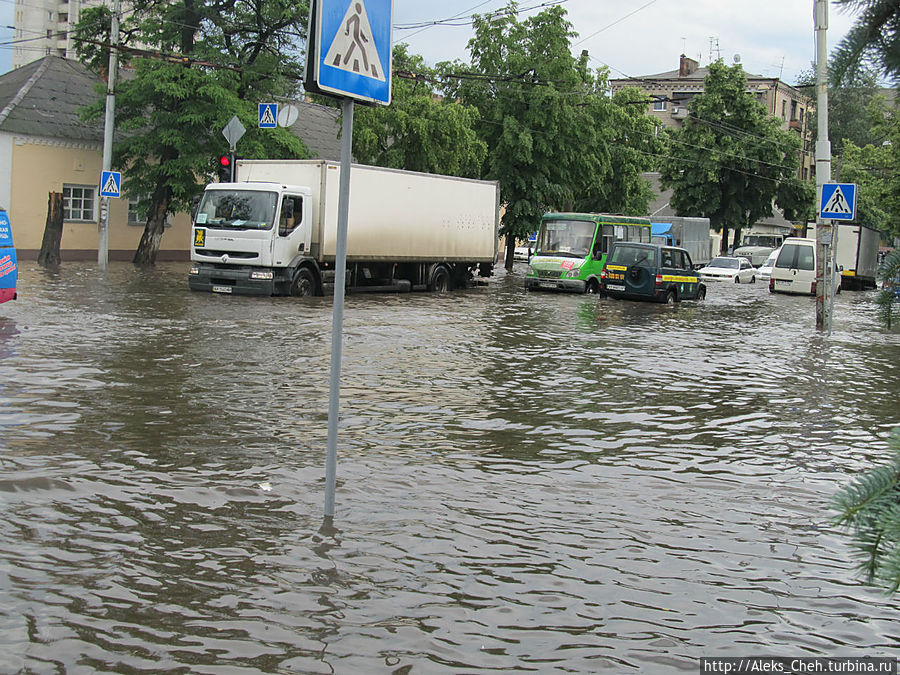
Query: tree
{"points": [[545, 118], [848, 102], [419, 131], [874, 37], [210, 61], [731, 160], [870, 507]]}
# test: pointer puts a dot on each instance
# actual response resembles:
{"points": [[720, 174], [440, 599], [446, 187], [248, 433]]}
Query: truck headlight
{"points": [[573, 274], [529, 270], [262, 275], [194, 270]]}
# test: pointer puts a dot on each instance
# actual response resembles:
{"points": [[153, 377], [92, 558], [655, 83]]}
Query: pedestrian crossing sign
{"points": [[838, 201], [110, 184], [350, 54], [268, 115]]}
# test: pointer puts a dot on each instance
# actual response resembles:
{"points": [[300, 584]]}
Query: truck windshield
{"points": [[764, 240], [571, 238], [238, 209]]}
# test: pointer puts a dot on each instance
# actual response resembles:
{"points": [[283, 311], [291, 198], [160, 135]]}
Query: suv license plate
{"points": [[615, 287], [221, 289]]}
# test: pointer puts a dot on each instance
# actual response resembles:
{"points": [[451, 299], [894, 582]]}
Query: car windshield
{"points": [[238, 209], [640, 256], [766, 240], [727, 263], [571, 238], [771, 259]]}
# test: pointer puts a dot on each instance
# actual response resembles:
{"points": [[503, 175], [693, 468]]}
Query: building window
{"points": [[79, 203], [659, 104], [784, 110], [134, 218]]}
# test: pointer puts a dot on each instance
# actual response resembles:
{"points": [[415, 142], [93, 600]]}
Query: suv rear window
{"points": [[633, 255]]}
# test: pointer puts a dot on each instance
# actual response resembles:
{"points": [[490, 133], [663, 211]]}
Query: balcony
{"points": [[796, 125], [680, 113]]}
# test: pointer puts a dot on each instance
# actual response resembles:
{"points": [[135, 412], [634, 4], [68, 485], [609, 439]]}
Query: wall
{"points": [[43, 166]]}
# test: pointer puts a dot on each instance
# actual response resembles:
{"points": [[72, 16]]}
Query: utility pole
{"points": [[824, 227], [109, 124]]}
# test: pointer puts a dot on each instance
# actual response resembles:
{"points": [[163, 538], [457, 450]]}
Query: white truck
{"points": [[691, 234], [274, 232], [757, 246], [856, 255]]}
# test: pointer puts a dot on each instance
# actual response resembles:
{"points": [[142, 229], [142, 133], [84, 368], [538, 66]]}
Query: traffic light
{"points": [[225, 168]]}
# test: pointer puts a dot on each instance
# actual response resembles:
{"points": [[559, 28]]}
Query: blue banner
{"points": [[7, 260]]}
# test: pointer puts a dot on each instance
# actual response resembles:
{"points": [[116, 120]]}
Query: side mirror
{"points": [[195, 205]]}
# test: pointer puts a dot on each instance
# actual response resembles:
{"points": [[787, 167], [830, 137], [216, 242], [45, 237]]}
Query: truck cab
{"points": [[250, 238]]}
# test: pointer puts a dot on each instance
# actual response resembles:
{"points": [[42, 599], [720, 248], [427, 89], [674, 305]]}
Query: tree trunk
{"points": [[723, 245], [153, 231], [49, 255], [510, 252], [736, 240]]}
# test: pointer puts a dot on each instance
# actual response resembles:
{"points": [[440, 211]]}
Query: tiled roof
{"points": [[319, 127], [43, 98]]}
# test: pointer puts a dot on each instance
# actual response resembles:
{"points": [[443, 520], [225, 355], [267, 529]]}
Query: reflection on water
{"points": [[526, 482]]}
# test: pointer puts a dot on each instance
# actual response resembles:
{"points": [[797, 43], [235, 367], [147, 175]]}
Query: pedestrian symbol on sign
{"points": [[268, 115], [110, 183], [353, 48], [837, 203]]}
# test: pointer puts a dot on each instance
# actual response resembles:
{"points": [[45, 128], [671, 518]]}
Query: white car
{"points": [[523, 253], [729, 268], [764, 271]]}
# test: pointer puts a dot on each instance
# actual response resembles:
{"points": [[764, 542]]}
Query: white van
{"points": [[795, 269]]}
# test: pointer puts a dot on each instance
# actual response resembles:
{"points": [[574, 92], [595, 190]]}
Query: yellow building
{"points": [[45, 147]]}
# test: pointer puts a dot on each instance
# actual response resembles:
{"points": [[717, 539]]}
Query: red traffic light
{"points": [[224, 160]]}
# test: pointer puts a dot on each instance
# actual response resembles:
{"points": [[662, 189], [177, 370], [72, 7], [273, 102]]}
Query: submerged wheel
{"points": [[701, 293], [440, 280], [592, 287], [303, 284], [671, 297], [737, 279], [753, 280]]}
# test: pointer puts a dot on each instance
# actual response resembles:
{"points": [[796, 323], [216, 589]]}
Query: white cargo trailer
{"points": [[274, 232], [856, 255]]}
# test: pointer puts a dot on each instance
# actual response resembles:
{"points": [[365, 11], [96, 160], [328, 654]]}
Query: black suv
{"points": [[650, 272]]}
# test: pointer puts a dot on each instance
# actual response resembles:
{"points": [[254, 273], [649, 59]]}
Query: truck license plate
{"points": [[547, 284], [615, 287], [221, 289]]}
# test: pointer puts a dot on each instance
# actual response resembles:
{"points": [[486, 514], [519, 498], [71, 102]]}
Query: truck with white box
{"points": [[274, 231]]}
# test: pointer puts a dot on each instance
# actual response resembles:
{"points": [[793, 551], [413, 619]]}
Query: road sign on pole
{"points": [[110, 184], [350, 53], [268, 115], [838, 201]]}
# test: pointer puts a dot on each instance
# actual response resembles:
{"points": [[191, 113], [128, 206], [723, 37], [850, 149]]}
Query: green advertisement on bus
{"points": [[571, 248]]}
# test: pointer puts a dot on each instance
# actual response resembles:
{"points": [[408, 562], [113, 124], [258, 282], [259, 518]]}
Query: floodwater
{"points": [[526, 482]]}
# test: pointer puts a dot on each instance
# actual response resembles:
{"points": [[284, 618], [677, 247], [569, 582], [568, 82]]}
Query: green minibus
{"points": [[571, 249]]}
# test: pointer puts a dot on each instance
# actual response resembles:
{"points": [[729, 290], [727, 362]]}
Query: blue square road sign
{"points": [[110, 184], [838, 201], [268, 115], [352, 50]]}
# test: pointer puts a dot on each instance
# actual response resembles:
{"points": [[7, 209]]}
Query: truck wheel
{"points": [[701, 294], [671, 298], [440, 280], [592, 287], [303, 284]]}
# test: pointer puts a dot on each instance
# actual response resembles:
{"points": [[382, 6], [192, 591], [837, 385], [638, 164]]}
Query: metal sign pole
{"points": [[823, 165], [108, 126], [337, 328]]}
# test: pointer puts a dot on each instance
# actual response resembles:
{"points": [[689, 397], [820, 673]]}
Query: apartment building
{"points": [[673, 91], [43, 28]]}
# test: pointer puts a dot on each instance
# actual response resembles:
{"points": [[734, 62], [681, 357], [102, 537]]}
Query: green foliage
{"points": [[418, 131], [848, 104], [874, 37], [876, 169], [870, 507], [731, 160], [889, 276], [553, 134], [198, 64]]}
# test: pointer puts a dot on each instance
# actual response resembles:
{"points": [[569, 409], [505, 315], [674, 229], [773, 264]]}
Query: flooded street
{"points": [[527, 482]]}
